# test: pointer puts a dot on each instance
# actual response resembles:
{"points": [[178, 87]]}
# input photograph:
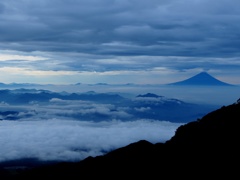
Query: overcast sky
{"points": [[118, 41]]}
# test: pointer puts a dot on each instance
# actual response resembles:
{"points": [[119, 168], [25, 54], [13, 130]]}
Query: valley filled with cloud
{"points": [[81, 78], [52, 125], [68, 140]]}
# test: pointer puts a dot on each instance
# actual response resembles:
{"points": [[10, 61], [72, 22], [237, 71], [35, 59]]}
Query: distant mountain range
{"points": [[143, 106], [207, 147], [201, 79]]}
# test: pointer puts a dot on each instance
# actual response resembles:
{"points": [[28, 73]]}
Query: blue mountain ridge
{"points": [[21, 105], [201, 79]]}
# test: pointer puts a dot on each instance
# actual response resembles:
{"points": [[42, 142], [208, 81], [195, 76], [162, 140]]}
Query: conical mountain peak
{"points": [[202, 79]]}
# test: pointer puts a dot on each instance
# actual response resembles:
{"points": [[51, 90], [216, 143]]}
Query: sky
{"points": [[118, 41]]}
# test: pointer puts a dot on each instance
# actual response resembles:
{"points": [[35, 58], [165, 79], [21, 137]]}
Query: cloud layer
{"points": [[94, 41], [68, 140]]}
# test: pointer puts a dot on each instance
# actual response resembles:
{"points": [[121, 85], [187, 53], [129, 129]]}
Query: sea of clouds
{"points": [[71, 140], [56, 130]]}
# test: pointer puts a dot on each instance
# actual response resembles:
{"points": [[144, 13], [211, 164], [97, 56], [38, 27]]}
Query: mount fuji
{"points": [[201, 79]]}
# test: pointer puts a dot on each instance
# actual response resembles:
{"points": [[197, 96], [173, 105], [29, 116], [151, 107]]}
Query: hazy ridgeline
{"points": [[72, 122]]}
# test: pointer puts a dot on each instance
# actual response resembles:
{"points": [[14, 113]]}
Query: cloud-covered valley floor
{"points": [[71, 140], [53, 126], [66, 126]]}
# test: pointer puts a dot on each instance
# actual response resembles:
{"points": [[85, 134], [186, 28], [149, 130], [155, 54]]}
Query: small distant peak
{"points": [[102, 84], [90, 92], [203, 73], [149, 95]]}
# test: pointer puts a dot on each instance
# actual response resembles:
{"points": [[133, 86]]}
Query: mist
{"points": [[57, 131], [217, 95], [69, 140]]}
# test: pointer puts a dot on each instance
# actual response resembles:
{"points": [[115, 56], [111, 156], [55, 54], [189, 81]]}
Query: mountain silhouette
{"points": [[156, 107], [201, 79], [207, 147]]}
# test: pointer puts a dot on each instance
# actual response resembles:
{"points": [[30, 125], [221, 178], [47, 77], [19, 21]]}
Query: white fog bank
{"points": [[68, 140]]}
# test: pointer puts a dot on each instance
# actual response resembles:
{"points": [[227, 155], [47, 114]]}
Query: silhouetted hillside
{"points": [[205, 148]]}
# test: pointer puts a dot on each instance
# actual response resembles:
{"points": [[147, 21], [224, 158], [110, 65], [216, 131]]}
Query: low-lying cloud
{"points": [[71, 140]]}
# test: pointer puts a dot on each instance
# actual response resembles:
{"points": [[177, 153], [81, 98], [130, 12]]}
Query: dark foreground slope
{"points": [[206, 148]]}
